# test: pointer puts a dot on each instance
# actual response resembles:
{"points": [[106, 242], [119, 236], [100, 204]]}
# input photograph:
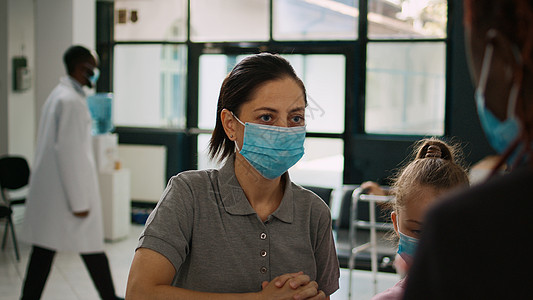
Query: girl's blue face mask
{"points": [[272, 150], [407, 246], [500, 134]]}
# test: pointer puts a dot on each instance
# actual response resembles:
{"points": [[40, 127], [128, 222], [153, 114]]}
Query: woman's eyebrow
{"points": [[266, 108], [302, 108], [275, 110]]}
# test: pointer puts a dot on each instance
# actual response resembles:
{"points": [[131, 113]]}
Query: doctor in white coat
{"points": [[63, 206]]}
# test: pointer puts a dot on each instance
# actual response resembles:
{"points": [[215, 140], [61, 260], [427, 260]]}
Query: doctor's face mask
{"points": [[92, 75], [271, 150], [94, 78]]}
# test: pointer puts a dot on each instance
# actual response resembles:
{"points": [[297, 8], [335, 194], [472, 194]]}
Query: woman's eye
{"points": [[266, 118], [297, 119]]}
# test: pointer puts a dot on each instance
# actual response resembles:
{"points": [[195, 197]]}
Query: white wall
{"points": [[17, 114], [41, 30], [3, 77], [83, 22], [59, 24], [53, 34], [21, 105]]}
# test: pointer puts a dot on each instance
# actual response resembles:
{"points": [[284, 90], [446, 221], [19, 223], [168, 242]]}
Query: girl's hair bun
{"points": [[433, 151], [436, 164], [434, 148]]}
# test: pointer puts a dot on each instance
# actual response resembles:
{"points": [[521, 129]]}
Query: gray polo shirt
{"points": [[207, 229]]}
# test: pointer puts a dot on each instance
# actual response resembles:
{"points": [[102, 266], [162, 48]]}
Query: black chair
{"points": [[324, 193], [14, 174]]}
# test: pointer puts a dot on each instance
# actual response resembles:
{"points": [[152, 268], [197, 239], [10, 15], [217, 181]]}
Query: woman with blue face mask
{"points": [[244, 231], [418, 185], [472, 242]]}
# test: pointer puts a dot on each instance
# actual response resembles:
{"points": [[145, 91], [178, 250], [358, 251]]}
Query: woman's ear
{"points": [[394, 218], [228, 122]]}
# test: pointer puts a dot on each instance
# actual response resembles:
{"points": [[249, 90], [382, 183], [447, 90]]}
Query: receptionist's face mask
{"points": [[271, 150]]}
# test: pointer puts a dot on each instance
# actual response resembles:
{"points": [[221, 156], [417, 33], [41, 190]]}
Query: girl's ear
{"points": [[394, 218], [228, 122]]}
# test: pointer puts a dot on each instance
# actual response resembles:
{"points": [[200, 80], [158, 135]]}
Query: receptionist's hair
{"points": [[238, 88]]}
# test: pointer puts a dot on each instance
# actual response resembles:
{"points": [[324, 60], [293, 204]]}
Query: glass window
{"points": [[236, 20], [204, 162], [141, 20], [407, 18], [149, 85], [405, 88], [213, 70], [315, 19], [324, 79], [322, 164], [323, 76]]}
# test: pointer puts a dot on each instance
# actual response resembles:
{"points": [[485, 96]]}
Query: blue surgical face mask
{"points": [[94, 78], [272, 150], [407, 246], [500, 134]]}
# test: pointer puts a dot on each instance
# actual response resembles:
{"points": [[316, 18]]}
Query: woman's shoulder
{"points": [[189, 186], [194, 178]]}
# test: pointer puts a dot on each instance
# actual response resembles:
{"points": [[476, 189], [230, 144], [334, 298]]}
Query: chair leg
{"points": [[9, 223], [5, 235], [15, 244]]}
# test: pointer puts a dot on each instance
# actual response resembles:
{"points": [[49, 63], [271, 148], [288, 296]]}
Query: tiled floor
{"points": [[70, 280]]}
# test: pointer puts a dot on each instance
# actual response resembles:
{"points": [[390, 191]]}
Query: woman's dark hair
{"points": [[239, 87], [76, 55]]}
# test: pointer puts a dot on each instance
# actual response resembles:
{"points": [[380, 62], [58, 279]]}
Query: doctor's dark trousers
{"points": [[41, 262]]}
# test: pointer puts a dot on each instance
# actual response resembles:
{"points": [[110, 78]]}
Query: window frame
{"points": [[355, 52]]}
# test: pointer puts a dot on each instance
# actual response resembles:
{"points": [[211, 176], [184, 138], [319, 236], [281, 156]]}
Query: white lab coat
{"points": [[64, 178]]}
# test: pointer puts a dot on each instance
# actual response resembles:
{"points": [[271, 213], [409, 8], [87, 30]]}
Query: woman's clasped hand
{"points": [[297, 286]]}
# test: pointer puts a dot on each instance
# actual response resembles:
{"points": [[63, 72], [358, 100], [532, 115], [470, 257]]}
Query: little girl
{"points": [[433, 171]]}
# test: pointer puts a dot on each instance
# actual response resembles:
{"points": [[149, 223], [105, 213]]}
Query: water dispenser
{"points": [[101, 108]]}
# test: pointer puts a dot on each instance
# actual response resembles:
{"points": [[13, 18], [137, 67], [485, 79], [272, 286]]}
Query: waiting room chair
{"points": [[14, 174], [322, 192]]}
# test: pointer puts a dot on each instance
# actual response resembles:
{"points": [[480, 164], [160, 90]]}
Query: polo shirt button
{"points": [[263, 253], [263, 236], [263, 270]]}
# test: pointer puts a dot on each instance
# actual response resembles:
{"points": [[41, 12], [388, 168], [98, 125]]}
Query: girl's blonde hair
{"points": [[435, 165]]}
